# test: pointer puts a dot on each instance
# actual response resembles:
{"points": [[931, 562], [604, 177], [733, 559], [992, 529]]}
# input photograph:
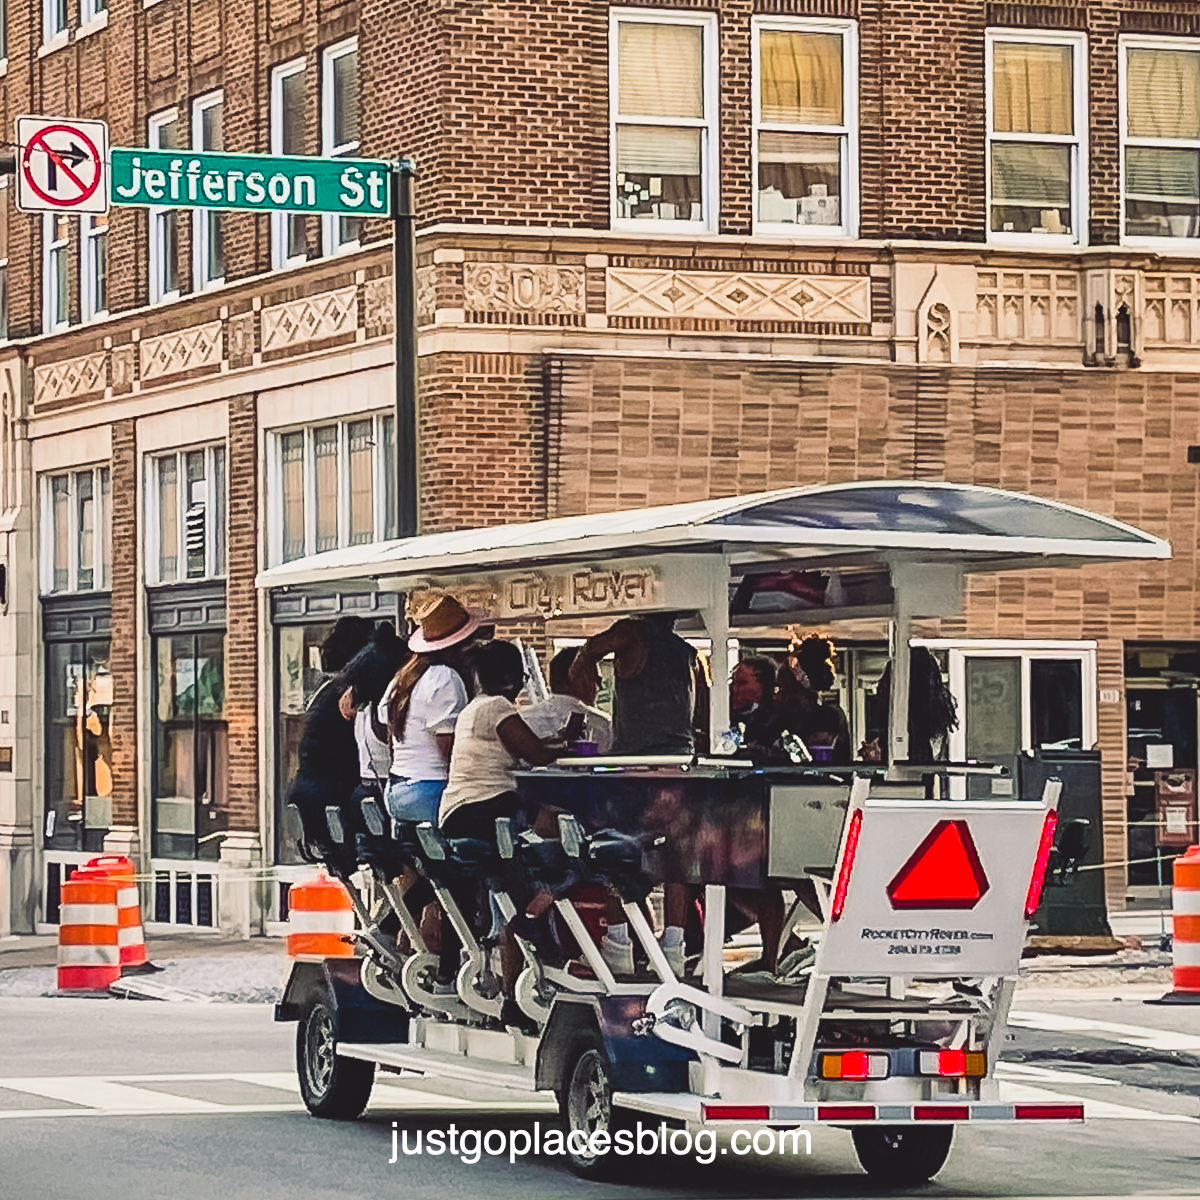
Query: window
{"points": [[54, 19], [92, 10], [288, 243], [335, 487], [806, 122], [76, 531], [339, 131], [1160, 127], [664, 131], [1036, 124], [187, 519], [56, 274], [93, 296], [165, 134], [3, 30], [208, 237]]}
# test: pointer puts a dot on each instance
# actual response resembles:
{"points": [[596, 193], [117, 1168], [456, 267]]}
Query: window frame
{"points": [[56, 309], [1078, 141], [90, 308], [101, 530], [1148, 42], [379, 482], [91, 10], [330, 222], [202, 218], [709, 124], [153, 515], [847, 226], [6, 209], [51, 29], [156, 215], [280, 259]]}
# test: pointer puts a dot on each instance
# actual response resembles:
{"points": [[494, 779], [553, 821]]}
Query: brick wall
{"points": [[241, 637], [123, 725]]}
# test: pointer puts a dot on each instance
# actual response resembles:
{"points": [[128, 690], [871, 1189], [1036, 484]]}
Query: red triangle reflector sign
{"points": [[943, 872]]}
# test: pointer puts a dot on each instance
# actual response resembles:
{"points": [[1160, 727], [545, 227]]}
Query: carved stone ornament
{"points": [[520, 287], [180, 350], [310, 319], [71, 377]]}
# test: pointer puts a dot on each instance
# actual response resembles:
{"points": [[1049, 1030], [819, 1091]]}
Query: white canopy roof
{"points": [[984, 529]]}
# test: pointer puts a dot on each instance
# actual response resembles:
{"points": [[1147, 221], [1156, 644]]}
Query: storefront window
{"points": [[191, 745], [79, 700]]}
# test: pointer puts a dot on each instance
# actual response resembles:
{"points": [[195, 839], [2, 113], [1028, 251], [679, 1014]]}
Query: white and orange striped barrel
{"points": [[320, 919], [1185, 912], [130, 936], [89, 957]]}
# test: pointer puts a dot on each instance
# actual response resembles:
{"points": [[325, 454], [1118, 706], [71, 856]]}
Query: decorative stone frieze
{"points": [[181, 350], [523, 288], [71, 377], [742, 296], [1170, 308], [1028, 306], [310, 319], [377, 304]]}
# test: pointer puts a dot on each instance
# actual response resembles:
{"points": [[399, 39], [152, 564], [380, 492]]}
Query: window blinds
{"points": [[661, 70], [1152, 174], [1163, 93], [1032, 88], [1031, 176], [798, 148], [654, 150], [801, 77]]}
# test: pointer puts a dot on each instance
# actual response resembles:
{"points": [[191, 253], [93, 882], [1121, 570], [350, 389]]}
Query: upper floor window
{"points": [[339, 130], [335, 485], [54, 19], [288, 242], [663, 88], [76, 531], [186, 498], [1036, 124], [92, 10], [805, 115], [1160, 126], [56, 274], [208, 229], [93, 290], [165, 134]]}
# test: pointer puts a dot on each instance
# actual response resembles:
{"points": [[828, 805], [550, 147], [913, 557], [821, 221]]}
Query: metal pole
{"points": [[404, 292]]}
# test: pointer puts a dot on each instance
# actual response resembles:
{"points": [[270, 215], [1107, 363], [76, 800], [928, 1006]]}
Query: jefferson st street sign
{"points": [[350, 187]]}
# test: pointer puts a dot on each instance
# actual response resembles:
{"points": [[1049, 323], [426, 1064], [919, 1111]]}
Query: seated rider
{"points": [[570, 698]]}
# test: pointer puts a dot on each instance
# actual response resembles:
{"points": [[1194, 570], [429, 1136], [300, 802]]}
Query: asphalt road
{"points": [[119, 1100]]}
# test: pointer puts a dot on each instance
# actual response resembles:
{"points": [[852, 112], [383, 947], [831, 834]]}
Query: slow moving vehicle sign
{"points": [[349, 187], [62, 165]]}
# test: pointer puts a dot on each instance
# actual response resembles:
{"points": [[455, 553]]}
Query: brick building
{"points": [[667, 251]]}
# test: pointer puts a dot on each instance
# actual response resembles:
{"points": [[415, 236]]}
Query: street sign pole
{"points": [[404, 285]]}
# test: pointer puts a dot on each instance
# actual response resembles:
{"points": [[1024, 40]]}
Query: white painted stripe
{"points": [[169, 1108], [1186, 954], [89, 956], [1023, 1071], [127, 897], [320, 922], [104, 1094], [1133, 1035], [1020, 1093], [131, 937], [88, 914]]}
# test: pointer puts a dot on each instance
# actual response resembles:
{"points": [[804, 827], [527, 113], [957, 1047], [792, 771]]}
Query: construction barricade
{"points": [[130, 936], [1185, 938], [320, 919], [89, 955]]}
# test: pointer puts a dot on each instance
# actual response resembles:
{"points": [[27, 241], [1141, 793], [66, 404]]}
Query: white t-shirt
{"points": [[547, 718], [480, 765], [433, 708], [374, 754]]}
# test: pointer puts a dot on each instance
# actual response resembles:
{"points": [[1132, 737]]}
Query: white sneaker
{"points": [[617, 955], [676, 958]]}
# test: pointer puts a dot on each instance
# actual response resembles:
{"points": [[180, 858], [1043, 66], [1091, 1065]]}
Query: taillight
{"points": [[854, 1064], [952, 1064], [736, 1112], [843, 879], [1034, 896], [1048, 1112], [941, 1112]]}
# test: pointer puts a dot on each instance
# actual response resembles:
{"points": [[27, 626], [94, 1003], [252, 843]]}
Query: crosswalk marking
{"points": [[1019, 1071], [1131, 1035]]}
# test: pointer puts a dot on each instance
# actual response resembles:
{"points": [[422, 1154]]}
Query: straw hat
{"points": [[442, 622]]}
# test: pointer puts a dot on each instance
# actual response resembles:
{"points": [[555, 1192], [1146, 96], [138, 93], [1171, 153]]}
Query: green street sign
{"points": [[350, 187]]}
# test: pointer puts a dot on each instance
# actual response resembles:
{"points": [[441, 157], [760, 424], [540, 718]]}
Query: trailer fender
{"points": [[361, 1018], [638, 1063]]}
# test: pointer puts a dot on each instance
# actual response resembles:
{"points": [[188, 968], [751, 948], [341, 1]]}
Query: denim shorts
{"points": [[415, 799]]}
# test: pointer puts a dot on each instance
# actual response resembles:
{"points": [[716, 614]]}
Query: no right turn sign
{"points": [[62, 165]]}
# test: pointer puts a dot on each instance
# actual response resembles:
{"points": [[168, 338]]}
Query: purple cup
{"points": [[585, 749], [821, 754]]}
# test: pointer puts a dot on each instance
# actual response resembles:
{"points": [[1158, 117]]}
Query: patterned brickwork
{"points": [[123, 725]]}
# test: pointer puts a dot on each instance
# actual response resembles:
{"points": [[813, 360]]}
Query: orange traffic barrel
{"points": [[130, 936], [89, 957], [320, 919], [1185, 939]]}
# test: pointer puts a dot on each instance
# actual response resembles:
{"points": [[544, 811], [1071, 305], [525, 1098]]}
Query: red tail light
{"points": [[845, 1112], [1034, 896], [941, 1112], [1048, 1112], [737, 1112], [843, 879]]}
